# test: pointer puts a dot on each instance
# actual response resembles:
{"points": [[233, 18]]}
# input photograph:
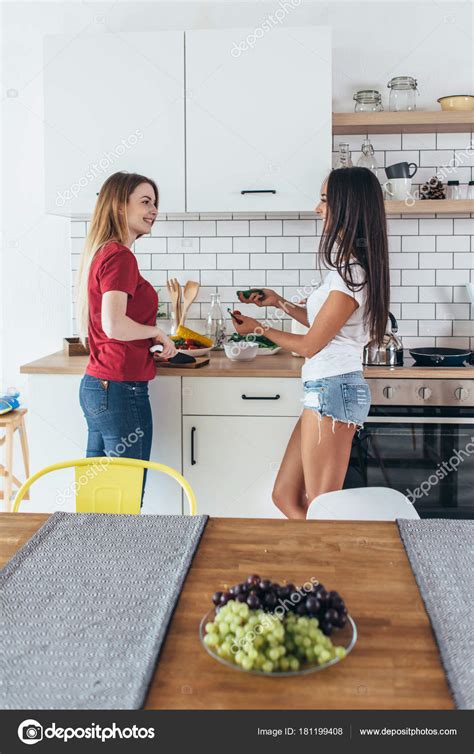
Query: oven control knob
{"points": [[461, 393], [424, 392], [388, 391]]}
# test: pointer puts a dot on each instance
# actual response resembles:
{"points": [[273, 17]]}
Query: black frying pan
{"points": [[440, 357]]}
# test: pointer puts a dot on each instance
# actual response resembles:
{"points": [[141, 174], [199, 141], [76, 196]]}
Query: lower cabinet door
{"points": [[231, 462]]}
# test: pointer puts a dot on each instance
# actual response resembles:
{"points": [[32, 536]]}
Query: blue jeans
{"points": [[344, 397], [119, 419]]}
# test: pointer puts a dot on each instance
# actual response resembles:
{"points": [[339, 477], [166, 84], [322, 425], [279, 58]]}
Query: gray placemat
{"points": [[440, 554], [85, 606]]}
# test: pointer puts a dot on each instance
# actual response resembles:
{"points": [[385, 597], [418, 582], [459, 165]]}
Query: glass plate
{"points": [[342, 637]]}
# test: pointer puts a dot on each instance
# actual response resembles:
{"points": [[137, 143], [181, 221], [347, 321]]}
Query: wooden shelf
{"points": [[418, 121], [428, 206]]}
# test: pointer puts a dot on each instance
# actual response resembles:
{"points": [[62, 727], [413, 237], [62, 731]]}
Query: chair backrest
{"points": [[362, 504], [109, 485]]}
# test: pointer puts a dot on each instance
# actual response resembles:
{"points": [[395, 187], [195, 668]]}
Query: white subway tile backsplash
{"points": [[437, 227], [453, 243], [266, 227], [404, 227], [151, 245], [418, 311], [266, 261], [199, 227], [399, 294], [200, 261], [249, 278], [299, 227], [418, 243], [216, 277], [403, 261], [418, 277], [299, 261], [233, 261], [233, 228], [418, 141], [434, 261], [453, 140], [167, 228], [464, 260], [215, 245], [435, 327], [440, 293], [250, 244], [451, 277], [452, 311], [287, 244], [431, 257], [167, 261], [464, 225]]}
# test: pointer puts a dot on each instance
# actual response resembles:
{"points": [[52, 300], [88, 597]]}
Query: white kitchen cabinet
{"points": [[232, 461], [242, 396], [113, 101], [258, 118]]}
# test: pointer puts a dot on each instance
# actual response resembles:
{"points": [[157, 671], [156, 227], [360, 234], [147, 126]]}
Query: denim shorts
{"points": [[344, 397]]}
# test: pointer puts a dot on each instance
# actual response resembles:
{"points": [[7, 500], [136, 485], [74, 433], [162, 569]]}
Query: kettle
{"points": [[390, 353]]}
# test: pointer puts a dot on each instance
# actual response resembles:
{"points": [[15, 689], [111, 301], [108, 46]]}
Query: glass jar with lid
{"points": [[368, 100], [403, 91], [454, 190]]}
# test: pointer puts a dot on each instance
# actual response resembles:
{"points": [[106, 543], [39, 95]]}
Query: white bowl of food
{"points": [[241, 351]]}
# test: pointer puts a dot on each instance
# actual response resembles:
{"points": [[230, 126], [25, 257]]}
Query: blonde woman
{"points": [[117, 311]]}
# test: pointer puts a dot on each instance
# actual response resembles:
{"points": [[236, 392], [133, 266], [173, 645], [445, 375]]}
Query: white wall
{"points": [[372, 42]]}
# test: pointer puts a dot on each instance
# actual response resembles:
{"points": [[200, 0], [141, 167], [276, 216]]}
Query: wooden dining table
{"points": [[394, 665]]}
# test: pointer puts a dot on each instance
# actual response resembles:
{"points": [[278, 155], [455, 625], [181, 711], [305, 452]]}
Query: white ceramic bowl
{"points": [[241, 351]]}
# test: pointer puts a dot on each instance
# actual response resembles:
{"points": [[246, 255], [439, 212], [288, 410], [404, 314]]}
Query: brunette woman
{"points": [[346, 311], [117, 310]]}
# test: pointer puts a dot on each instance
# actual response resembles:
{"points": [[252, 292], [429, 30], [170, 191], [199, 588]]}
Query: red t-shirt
{"points": [[115, 268]]}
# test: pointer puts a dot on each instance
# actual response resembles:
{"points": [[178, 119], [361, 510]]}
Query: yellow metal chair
{"points": [[108, 485]]}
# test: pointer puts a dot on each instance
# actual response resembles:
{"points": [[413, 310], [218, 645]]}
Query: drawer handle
{"points": [[260, 397], [258, 191], [193, 460]]}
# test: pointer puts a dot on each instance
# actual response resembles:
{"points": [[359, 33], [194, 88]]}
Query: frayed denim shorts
{"points": [[344, 397]]}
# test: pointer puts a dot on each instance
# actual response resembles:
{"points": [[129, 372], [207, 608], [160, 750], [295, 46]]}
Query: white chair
{"points": [[362, 504]]}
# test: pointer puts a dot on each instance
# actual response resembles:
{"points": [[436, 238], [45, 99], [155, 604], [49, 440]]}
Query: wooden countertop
{"points": [[394, 665], [282, 364]]}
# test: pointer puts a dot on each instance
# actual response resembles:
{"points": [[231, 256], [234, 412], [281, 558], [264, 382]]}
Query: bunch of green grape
{"points": [[257, 640]]}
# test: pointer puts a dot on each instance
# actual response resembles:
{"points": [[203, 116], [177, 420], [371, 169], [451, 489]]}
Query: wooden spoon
{"points": [[191, 290], [175, 295]]}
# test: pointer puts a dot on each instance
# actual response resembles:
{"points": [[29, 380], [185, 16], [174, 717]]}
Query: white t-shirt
{"points": [[344, 352]]}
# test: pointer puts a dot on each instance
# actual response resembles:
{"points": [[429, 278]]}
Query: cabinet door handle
{"points": [[193, 460], [260, 397], [258, 191]]}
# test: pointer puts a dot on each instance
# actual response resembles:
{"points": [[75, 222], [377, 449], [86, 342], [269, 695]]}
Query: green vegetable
{"points": [[262, 341]]}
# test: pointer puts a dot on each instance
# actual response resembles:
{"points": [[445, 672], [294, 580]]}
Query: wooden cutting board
{"points": [[201, 361]]}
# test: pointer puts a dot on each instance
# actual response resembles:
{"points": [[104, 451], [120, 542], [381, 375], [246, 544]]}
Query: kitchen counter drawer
{"points": [[246, 396]]}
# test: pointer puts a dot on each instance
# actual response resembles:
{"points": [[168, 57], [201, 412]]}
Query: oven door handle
{"points": [[418, 420]]}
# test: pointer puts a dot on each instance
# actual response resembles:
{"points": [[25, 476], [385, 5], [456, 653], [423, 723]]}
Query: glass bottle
{"points": [[470, 190], [368, 100], [215, 325], [367, 158], [454, 190], [403, 91], [343, 158]]}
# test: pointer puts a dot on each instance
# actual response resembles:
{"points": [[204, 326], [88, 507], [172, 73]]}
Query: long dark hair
{"points": [[356, 231]]}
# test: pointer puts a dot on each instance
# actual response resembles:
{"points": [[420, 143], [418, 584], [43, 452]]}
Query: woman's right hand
{"points": [[169, 348], [270, 298]]}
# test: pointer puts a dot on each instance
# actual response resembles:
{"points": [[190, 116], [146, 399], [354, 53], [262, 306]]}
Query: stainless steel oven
{"points": [[419, 439]]}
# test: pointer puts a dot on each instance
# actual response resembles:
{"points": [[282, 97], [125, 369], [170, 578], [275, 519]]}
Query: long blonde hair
{"points": [[109, 223]]}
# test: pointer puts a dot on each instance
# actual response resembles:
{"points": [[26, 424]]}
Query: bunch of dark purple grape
{"points": [[263, 594]]}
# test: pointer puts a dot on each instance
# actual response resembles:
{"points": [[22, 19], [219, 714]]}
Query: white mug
{"points": [[398, 188]]}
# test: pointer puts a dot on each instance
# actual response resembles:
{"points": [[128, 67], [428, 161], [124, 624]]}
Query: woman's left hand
{"points": [[246, 325]]}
